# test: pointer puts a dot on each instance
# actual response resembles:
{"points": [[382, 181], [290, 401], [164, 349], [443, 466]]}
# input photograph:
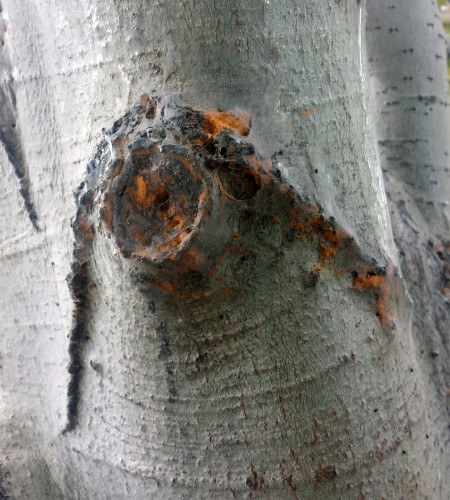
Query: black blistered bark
{"points": [[79, 281]]}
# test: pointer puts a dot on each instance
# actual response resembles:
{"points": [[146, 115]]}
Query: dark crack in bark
{"points": [[10, 135], [11, 141]]}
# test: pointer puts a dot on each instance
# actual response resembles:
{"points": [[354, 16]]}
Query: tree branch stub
{"points": [[185, 194]]}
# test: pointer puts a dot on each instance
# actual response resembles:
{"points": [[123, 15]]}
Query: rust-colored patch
{"points": [[255, 481], [118, 167], [159, 208], [86, 228], [194, 258], [326, 252], [137, 234], [202, 197], [119, 147], [306, 111], [177, 290], [226, 292], [145, 198], [237, 249], [139, 194], [291, 483], [261, 167], [106, 213], [176, 221], [319, 226], [237, 121], [326, 473], [370, 281], [215, 268], [165, 285], [288, 478]]}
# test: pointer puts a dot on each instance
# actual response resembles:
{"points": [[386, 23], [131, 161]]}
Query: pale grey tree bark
{"points": [[275, 347]]}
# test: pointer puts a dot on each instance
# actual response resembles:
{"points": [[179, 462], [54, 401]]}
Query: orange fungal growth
{"points": [[318, 225], [237, 121], [379, 285], [139, 194], [326, 252]]}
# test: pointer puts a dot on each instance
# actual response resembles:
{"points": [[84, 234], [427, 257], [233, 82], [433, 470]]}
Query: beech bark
{"points": [[232, 307]]}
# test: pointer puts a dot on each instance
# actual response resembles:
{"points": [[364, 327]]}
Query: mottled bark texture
{"points": [[235, 323]]}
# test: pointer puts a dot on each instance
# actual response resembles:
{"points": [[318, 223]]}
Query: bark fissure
{"points": [[166, 353], [10, 138]]}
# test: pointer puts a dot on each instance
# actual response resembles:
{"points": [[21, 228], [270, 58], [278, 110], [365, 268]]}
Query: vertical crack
{"points": [[166, 353], [10, 135]]}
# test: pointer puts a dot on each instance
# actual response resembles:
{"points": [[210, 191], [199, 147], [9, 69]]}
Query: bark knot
{"points": [[196, 213], [190, 203]]}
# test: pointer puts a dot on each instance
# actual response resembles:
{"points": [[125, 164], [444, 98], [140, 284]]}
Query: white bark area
{"points": [[288, 390]]}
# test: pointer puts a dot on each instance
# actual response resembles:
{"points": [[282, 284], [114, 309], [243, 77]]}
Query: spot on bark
{"points": [[326, 473], [3, 492], [377, 283], [443, 254], [255, 481], [306, 111]]}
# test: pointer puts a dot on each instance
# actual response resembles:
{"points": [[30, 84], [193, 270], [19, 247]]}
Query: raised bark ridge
{"points": [[190, 205]]}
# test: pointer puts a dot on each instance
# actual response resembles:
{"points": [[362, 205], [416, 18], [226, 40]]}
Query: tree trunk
{"points": [[410, 98], [236, 322]]}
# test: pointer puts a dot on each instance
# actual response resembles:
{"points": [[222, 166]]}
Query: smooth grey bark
{"points": [[407, 59], [293, 388]]}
